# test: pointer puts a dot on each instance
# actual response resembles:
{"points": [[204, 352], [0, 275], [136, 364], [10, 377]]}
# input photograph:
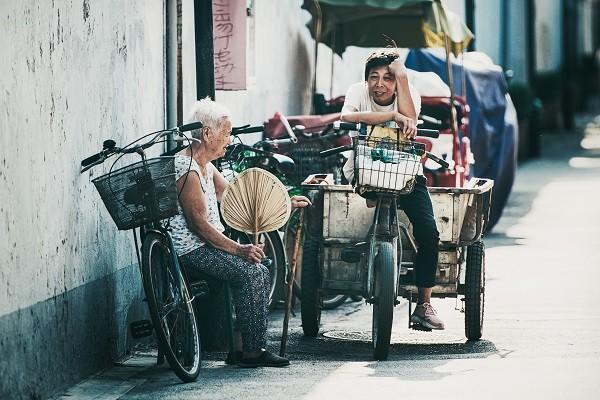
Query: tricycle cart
{"points": [[354, 250]]}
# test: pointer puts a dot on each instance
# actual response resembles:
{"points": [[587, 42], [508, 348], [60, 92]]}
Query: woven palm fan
{"points": [[255, 201]]}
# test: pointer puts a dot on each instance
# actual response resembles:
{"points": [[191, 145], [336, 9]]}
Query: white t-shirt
{"points": [[358, 99], [184, 239]]}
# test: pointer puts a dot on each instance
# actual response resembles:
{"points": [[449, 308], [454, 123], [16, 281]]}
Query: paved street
{"points": [[542, 323]]}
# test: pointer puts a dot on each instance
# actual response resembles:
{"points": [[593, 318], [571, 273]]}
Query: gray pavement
{"points": [[542, 325]]}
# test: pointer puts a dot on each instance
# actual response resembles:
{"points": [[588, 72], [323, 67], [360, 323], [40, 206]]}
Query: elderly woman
{"points": [[199, 239]]}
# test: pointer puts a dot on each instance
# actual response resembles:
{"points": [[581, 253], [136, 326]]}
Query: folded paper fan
{"points": [[255, 201]]}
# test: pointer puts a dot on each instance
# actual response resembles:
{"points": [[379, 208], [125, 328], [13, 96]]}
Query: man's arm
{"points": [[368, 117], [404, 101], [351, 111]]}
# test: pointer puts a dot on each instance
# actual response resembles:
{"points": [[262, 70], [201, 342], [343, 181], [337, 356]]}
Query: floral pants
{"points": [[250, 284]]}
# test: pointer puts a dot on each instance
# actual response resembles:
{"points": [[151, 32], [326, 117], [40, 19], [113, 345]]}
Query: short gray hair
{"points": [[210, 113]]}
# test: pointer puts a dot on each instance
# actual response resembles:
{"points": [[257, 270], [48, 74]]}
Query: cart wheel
{"points": [[383, 306], [474, 290], [310, 306]]}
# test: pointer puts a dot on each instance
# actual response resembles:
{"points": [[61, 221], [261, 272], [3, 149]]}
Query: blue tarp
{"points": [[493, 127]]}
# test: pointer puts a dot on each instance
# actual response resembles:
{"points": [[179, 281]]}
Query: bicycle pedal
{"points": [[140, 329], [418, 327]]}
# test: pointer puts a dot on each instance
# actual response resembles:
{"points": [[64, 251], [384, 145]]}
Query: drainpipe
{"points": [[205, 67], [568, 63], [531, 64], [171, 63], [505, 31]]}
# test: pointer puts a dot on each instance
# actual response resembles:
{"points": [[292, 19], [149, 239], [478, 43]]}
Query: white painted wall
{"points": [[72, 74], [282, 50]]}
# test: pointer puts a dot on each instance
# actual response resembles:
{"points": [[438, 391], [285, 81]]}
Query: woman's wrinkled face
{"points": [[217, 140], [382, 85]]}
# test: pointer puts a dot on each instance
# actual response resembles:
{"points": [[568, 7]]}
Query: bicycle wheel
{"points": [[474, 290], [171, 308], [383, 306], [329, 302], [273, 248], [311, 301]]}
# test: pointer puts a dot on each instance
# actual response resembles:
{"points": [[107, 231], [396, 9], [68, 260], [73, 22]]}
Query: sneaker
{"points": [[238, 357], [425, 315], [266, 359]]}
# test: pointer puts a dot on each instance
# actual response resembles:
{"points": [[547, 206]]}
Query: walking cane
{"points": [[290, 284]]}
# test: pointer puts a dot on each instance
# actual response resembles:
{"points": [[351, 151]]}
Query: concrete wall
{"points": [[517, 43], [73, 72], [548, 35], [488, 28], [281, 57]]}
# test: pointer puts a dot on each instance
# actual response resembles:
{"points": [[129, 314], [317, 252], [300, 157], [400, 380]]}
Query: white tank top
{"points": [[184, 239]]}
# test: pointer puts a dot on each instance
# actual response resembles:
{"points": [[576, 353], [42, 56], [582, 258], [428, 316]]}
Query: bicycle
{"points": [[143, 195], [262, 154], [386, 167]]}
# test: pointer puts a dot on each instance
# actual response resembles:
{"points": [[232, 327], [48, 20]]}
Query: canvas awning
{"points": [[365, 23]]}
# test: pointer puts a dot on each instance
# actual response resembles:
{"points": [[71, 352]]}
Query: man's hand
{"points": [[398, 69], [250, 252], [300, 202], [408, 126]]}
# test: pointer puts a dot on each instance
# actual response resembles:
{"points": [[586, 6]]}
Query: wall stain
{"points": [[122, 47], [86, 10]]}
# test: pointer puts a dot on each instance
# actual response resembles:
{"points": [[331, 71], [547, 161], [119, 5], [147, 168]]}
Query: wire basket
{"points": [[386, 164], [140, 193]]}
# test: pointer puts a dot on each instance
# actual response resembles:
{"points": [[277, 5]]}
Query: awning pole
{"points": [[317, 28], [453, 118]]}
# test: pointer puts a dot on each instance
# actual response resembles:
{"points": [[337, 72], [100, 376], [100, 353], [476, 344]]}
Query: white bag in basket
{"points": [[397, 169]]}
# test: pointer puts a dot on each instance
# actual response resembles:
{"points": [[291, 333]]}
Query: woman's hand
{"points": [[408, 126], [251, 252], [300, 201]]}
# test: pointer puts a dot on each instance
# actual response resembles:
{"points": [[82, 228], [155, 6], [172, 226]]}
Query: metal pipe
{"points": [[470, 17], [205, 66]]}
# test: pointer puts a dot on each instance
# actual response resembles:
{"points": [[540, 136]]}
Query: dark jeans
{"points": [[417, 207]]}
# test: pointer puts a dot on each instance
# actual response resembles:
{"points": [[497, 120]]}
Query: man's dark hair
{"points": [[379, 58]]}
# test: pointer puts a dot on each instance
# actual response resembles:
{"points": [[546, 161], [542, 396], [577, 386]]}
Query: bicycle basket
{"points": [[385, 164], [140, 193]]}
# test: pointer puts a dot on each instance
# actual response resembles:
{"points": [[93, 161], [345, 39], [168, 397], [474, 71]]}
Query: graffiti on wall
{"points": [[229, 42]]}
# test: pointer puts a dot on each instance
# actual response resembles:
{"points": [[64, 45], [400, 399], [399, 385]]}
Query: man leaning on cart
{"points": [[386, 97]]}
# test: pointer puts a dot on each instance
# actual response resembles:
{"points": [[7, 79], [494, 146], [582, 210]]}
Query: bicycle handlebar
{"points": [[438, 160], [109, 148], [241, 130], [187, 127], [362, 128], [340, 149], [335, 150]]}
